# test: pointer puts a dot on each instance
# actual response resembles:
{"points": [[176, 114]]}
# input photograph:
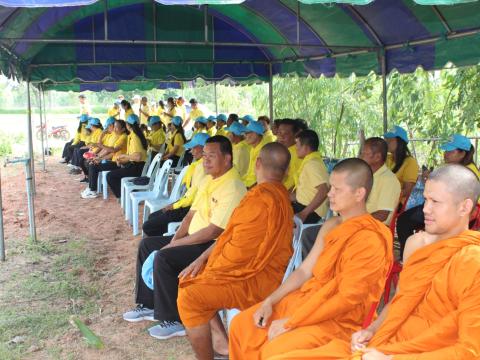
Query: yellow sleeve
{"points": [[187, 199], [76, 139], [410, 174]]}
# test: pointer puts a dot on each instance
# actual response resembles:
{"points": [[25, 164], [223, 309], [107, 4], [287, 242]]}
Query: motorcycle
{"points": [[57, 132]]}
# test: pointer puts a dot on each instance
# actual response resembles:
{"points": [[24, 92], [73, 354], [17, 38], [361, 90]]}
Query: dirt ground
{"points": [[62, 214]]}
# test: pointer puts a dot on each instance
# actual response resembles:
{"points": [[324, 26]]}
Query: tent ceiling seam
{"points": [[365, 23], [442, 19]]}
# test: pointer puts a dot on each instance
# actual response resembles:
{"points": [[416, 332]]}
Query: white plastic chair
{"points": [[127, 186], [153, 205], [161, 182], [124, 180]]}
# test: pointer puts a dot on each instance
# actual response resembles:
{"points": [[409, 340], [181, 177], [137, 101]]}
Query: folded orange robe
{"points": [[348, 278], [249, 258], [436, 313]]}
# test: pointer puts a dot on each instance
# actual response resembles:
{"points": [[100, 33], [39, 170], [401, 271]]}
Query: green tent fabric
{"points": [[246, 42]]}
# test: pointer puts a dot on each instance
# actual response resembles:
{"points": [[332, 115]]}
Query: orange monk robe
{"points": [[348, 278], [249, 258], [436, 313]]}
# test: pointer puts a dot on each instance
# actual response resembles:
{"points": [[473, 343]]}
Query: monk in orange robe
{"points": [[332, 292], [248, 260], [435, 314]]}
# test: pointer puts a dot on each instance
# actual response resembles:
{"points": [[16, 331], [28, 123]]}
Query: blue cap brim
{"points": [[389, 135], [448, 147]]}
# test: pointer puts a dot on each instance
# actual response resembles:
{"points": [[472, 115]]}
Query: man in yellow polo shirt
{"points": [[385, 194], [287, 130], [268, 134], [311, 184], [218, 195], [144, 111], [195, 113], [253, 137]]}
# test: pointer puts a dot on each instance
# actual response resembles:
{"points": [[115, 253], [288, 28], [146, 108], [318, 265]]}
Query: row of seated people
{"points": [[232, 248]]}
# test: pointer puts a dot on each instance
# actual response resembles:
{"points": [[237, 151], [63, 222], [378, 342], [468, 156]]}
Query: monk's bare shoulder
{"points": [[330, 224], [415, 242]]}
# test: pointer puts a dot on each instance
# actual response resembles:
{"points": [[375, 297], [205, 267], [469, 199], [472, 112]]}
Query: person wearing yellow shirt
{"points": [[211, 122], [222, 125], [76, 142], [127, 108], [157, 223], [156, 138], [84, 106], [218, 195], [144, 111], [171, 111], [195, 112], [287, 130], [94, 146], [385, 194], [268, 134], [200, 125], [160, 112], [94, 127], [457, 150], [115, 145], [253, 137], [309, 199], [241, 150], [114, 111], [181, 109], [400, 160], [132, 162], [175, 145]]}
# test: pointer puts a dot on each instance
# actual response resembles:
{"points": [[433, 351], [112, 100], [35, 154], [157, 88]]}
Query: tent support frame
{"points": [[30, 170], [383, 66], [270, 91], [43, 133]]}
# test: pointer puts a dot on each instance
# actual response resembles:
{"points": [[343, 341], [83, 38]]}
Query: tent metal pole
{"points": [[45, 119], [270, 92], [42, 127], [2, 235], [215, 94], [105, 19], [154, 14], [30, 170], [383, 64], [205, 23]]}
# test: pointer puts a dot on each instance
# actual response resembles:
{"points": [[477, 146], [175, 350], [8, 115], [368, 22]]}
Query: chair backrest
{"points": [[178, 187], [180, 162], [147, 163], [153, 165], [297, 248], [161, 177]]}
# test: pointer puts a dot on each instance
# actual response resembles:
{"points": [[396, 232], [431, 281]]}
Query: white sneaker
{"points": [[90, 195], [70, 165], [84, 191]]}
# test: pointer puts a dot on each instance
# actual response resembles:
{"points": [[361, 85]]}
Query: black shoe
{"points": [[84, 180]]}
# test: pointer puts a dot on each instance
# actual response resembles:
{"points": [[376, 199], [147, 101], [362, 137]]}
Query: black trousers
{"points": [[167, 266], [309, 236], [68, 149], [77, 158], [312, 218], [407, 223], [94, 169], [157, 223], [114, 177]]}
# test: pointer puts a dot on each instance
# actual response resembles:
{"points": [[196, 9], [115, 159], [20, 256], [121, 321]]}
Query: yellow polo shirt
{"points": [[312, 173], [134, 145], [269, 136], [128, 113], [84, 135], [120, 142], [144, 118], [110, 139], [195, 174], [195, 113], [295, 163], [79, 135], [250, 178], [215, 200], [163, 118], [241, 157], [474, 168], [176, 139], [112, 112], [182, 111], [95, 136], [222, 131], [212, 131], [157, 137], [85, 109], [385, 192], [408, 172]]}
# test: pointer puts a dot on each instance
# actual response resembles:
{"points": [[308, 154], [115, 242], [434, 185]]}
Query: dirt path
{"points": [[62, 214]]}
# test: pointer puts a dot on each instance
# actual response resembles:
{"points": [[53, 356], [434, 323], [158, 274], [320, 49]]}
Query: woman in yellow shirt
{"points": [[161, 113], [115, 145], [132, 162], [156, 137], [127, 108], [95, 129], [175, 147], [400, 160], [172, 109], [76, 142]]}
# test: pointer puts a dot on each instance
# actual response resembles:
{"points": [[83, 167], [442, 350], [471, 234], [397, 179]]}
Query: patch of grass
{"points": [[37, 299]]}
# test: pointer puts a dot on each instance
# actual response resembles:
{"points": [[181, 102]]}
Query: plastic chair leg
{"points": [[135, 205], [100, 182], [105, 185]]}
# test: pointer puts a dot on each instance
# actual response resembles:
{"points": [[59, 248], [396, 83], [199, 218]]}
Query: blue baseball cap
{"points": [[147, 270], [256, 127], [198, 140], [93, 122], [152, 120], [457, 141], [248, 118], [222, 117], [236, 128], [84, 118], [110, 121], [133, 119], [201, 120], [397, 132], [177, 121], [212, 118]]}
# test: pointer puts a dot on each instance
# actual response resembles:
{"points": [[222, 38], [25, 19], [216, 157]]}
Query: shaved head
{"points": [[359, 174], [461, 182], [274, 160]]}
